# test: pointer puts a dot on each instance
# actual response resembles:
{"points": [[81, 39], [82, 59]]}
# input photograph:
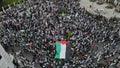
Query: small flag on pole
{"points": [[1, 26], [63, 14], [22, 32], [69, 33]]}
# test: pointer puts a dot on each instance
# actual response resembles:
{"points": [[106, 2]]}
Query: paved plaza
{"points": [[103, 11]]}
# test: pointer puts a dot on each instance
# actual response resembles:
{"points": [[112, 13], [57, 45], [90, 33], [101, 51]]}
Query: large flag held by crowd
{"points": [[62, 50]]}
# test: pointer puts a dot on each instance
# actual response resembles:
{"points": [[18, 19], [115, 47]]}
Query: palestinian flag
{"points": [[22, 31], [1, 26], [62, 50]]}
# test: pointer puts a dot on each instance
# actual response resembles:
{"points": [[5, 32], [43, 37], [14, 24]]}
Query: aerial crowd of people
{"points": [[34, 26]]}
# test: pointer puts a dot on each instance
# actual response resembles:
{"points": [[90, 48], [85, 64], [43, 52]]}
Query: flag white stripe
{"points": [[63, 51]]}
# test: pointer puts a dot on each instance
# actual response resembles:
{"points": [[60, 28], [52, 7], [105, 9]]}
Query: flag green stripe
{"points": [[58, 49]]}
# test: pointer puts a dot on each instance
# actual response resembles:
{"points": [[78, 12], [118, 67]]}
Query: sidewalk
{"points": [[103, 11], [6, 60]]}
